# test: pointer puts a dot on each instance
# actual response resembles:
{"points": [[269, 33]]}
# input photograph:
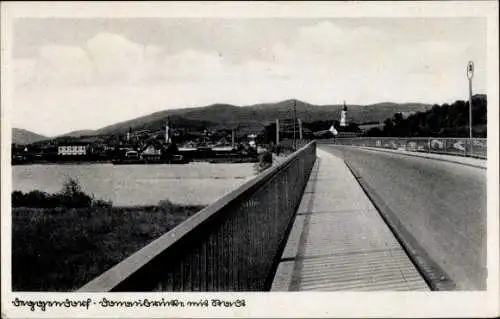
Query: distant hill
{"points": [[23, 137], [256, 116], [77, 133], [252, 117]]}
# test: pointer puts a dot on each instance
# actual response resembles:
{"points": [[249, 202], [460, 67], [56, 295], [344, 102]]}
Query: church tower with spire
{"points": [[343, 116]]}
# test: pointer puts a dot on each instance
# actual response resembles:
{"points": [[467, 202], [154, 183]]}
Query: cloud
{"points": [[23, 71], [193, 65], [105, 59], [321, 63], [366, 64], [116, 59], [59, 65], [325, 38], [319, 52]]}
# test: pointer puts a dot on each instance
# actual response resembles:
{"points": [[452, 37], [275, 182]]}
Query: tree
{"points": [[388, 127], [270, 133], [73, 196], [399, 125], [375, 132], [71, 187]]}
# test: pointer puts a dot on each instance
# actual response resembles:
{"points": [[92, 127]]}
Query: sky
{"points": [[71, 74]]}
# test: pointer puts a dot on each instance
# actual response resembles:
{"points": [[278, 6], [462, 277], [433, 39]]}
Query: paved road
{"points": [[442, 204]]}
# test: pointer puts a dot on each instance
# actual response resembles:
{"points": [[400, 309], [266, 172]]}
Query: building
{"points": [[73, 149], [252, 140], [131, 154], [343, 116], [152, 151], [344, 128]]}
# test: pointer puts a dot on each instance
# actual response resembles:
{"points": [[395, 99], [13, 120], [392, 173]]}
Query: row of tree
{"points": [[447, 120]]}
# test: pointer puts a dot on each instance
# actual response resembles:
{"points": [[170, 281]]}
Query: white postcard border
{"points": [[287, 304]]}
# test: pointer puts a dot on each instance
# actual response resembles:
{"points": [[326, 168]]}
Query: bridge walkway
{"points": [[339, 242]]}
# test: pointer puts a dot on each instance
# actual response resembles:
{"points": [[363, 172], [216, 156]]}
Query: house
{"points": [[73, 149], [252, 142], [152, 150], [131, 154]]}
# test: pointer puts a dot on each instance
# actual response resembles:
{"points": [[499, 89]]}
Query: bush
{"points": [[71, 196], [102, 203], [266, 159], [17, 198], [32, 199], [166, 205]]}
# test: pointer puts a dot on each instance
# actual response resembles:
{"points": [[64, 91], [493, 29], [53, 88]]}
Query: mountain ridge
{"points": [[229, 115], [224, 115], [23, 137]]}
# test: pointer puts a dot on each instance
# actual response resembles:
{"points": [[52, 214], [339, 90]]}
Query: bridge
{"points": [[362, 214]]}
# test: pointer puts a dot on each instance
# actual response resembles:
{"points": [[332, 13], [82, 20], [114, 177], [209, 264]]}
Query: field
{"points": [[61, 249]]}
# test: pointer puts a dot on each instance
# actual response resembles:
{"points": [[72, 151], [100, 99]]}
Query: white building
{"points": [[72, 150]]}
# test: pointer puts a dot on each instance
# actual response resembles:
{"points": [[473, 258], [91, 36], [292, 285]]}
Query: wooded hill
{"points": [[446, 120]]}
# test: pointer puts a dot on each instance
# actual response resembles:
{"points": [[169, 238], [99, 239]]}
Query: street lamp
{"points": [[470, 74]]}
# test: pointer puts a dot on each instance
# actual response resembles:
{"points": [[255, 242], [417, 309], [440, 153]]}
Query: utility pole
{"points": [[294, 124], [300, 129], [167, 132], [277, 132], [232, 138], [470, 74]]}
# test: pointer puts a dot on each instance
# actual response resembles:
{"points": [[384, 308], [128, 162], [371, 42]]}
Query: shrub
{"points": [[17, 198], [71, 187], [101, 203], [166, 205], [265, 161], [266, 157], [32, 199], [71, 196]]}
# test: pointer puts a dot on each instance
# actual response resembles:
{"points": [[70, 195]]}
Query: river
{"points": [[196, 183]]}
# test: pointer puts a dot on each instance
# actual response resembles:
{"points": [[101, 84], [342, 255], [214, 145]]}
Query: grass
{"points": [[61, 249]]}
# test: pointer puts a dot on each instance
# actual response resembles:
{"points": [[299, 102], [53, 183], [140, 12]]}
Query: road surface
{"points": [[442, 204]]}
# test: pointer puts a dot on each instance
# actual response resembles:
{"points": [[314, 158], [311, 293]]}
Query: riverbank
{"points": [[61, 249]]}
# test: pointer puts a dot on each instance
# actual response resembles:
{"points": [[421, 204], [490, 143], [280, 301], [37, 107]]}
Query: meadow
{"points": [[61, 249]]}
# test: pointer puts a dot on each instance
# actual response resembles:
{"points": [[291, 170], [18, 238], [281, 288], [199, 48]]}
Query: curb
{"points": [[415, 155]]}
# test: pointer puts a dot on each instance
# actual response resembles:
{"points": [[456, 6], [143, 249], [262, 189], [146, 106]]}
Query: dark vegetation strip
{"points": [[61, 249]]}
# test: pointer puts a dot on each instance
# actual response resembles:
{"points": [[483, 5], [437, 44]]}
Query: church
{"points": [[344, 128]]}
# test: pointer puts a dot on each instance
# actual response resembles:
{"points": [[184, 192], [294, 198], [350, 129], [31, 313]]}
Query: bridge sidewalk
{"points": [[339, 241]]}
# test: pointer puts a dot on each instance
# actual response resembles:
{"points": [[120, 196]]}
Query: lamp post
{"points": [[470, 74], [294, 123]]}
